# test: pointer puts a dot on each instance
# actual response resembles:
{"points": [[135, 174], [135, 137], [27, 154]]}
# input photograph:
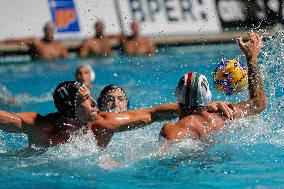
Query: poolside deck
{"points": [[224, 37]]}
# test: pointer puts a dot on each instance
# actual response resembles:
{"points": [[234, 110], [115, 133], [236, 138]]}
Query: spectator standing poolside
{"points": [[98, 45], [136, 44], [45, 48]]}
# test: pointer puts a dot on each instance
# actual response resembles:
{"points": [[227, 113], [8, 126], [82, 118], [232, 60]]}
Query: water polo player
{"points": [[77, 110], [85, 74], [113, 98], [193, 95]]}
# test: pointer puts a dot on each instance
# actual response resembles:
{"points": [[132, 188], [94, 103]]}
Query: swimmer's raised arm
{"points": [[17, 123], [257, 102]]}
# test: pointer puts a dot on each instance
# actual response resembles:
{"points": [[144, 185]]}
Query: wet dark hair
{"points": [[64, 97], [106, 90]]}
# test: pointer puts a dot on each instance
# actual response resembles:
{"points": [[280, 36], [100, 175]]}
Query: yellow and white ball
{"points": [[230, 77]]}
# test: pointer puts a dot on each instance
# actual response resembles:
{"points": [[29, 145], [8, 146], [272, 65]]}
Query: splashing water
{"points": [[273, 69], [248, 152]]}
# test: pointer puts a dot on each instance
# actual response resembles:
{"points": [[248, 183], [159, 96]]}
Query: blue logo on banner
{"points": [[64, 15]]}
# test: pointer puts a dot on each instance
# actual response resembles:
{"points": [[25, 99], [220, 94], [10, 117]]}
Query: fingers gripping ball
{"points": [[230, 77]]}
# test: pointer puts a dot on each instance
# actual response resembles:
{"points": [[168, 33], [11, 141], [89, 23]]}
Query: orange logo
{"points": [[64, 17]]}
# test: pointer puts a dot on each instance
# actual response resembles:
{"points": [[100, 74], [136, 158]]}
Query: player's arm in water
{"points": [[138, 118], [257, 101], [17, 123]]}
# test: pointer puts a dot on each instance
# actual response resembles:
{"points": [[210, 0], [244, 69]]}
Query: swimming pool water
{"points": [[249, 157]]}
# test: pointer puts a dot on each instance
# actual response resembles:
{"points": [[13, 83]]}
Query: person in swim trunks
{"points": [[99, 45], [77, 111], [45, 48], [193, 95], [113, 98], [137, 44]]}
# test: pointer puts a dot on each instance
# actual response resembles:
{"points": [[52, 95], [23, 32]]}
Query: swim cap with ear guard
{"points": [[64, 97], [193, 90]]}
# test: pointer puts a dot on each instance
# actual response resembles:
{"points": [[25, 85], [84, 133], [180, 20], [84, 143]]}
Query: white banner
{"points": [[89, 11], [23, 18], [170, 17], [76, 18], [73, 18]]}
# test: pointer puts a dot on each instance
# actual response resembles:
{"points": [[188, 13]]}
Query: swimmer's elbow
{"points": [[262, 102], [261, 106]]}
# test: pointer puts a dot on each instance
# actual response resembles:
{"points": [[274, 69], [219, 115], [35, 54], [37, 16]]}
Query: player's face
{"points": [[115, 101], [84, 76], [49, 32], [86, 107], [100, 27]]}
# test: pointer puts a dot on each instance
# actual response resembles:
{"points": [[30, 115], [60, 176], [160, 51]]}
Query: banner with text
{"points": [[76, 18], [169, 17]]}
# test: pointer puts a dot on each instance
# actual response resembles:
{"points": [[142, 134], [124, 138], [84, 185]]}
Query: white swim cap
{"points": [[89, 67], [193, 90]]}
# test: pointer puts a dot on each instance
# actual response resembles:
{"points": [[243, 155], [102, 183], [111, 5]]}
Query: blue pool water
{"points": [[247, 157]]}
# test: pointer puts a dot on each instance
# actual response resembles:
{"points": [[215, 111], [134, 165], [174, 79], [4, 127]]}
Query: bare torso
{"points": [[195, 126], [48, 50], [52, 129], [96, 46], [49, 130], [137, 45]]}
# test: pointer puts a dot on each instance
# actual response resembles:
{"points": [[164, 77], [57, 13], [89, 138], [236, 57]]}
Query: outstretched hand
{"points": [[252, 47], [225, 108]]}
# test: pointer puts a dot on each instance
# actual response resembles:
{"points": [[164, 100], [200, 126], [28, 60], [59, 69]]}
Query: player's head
{"points": [[72, 100], [193, 90]]}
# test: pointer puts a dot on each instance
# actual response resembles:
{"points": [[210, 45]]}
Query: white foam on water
{"points": [[2, 147], [133, 146], [78, 146]]}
